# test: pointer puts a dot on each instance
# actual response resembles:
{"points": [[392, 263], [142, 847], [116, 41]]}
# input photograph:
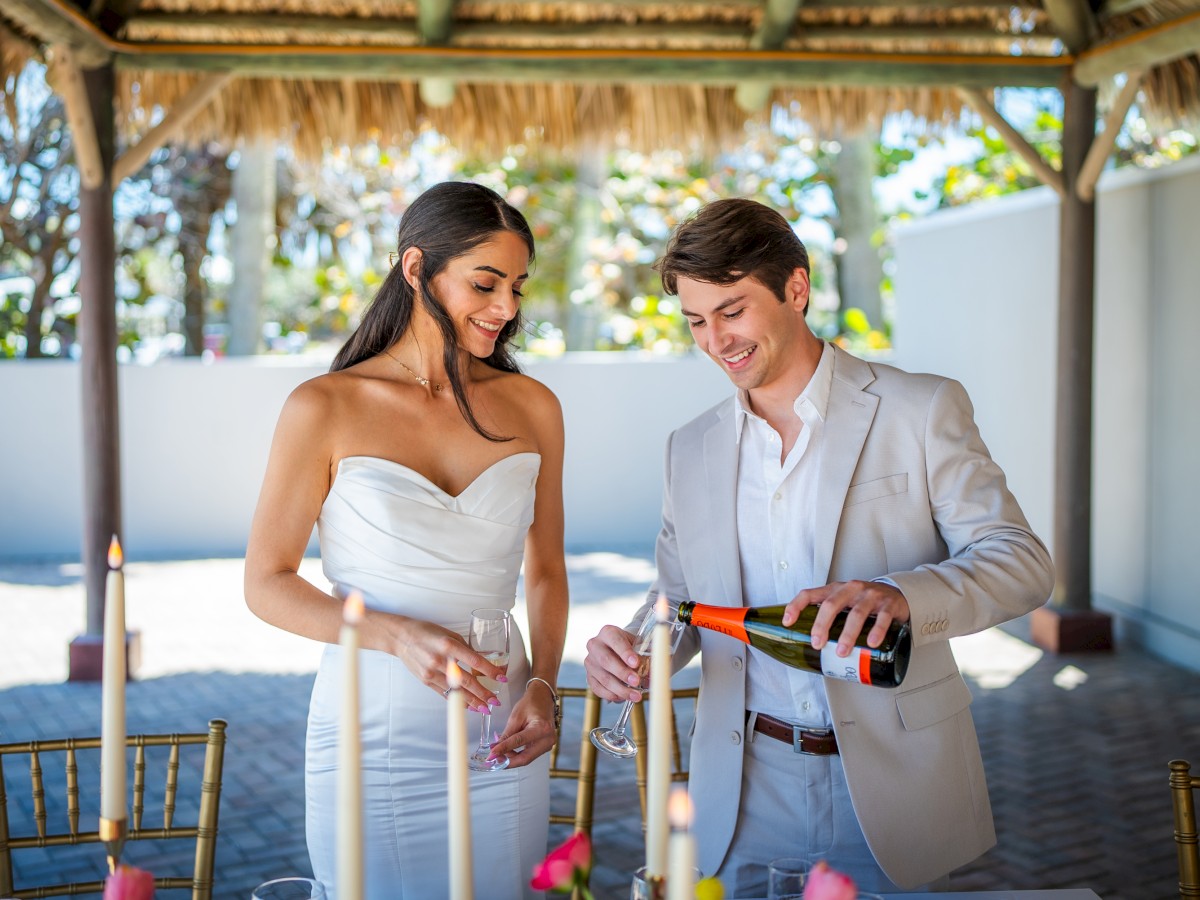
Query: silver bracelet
{"points": [[554, 695]]}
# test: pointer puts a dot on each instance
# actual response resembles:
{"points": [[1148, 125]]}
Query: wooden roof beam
{"points": [[67, 81], [59, 24], [1110, 8], [1046, 173], [1072, 20], [402, 31], [185, 109], [911, 4], [778, 18], [1097, 155], [435, 22], [602, 66], [1144, 49]]}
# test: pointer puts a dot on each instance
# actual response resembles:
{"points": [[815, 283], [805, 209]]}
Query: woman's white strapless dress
{"points": [[413, 549]]}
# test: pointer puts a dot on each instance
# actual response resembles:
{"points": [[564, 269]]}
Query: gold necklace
{"points": [[421, 379]]}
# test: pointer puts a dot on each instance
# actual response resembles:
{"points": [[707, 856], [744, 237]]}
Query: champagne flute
{"points": [[614, 740], [489, 636]]}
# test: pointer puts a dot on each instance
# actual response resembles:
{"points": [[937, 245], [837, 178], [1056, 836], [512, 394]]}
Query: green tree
{"points": [[995, 170], [167, 215], [39, 199]]}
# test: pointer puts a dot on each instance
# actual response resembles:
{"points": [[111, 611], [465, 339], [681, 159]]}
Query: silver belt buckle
{"points": [[798, 739]]}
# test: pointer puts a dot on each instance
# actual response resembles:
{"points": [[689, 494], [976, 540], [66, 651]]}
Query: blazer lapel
{"points": [[847, 422], [720, 469]]}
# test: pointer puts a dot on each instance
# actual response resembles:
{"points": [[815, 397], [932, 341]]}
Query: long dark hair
{"points": [[447, 221]]}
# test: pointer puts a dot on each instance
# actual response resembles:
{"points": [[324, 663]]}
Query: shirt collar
{"points": [[811, 406]]}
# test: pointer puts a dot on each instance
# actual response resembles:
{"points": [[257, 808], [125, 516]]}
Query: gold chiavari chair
{"points": [[204, 832], [637, 721], [1187, 842], [585, 775]]}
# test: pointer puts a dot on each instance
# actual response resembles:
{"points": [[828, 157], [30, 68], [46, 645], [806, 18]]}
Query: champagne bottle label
{"points": [[730, 620], [856, 667]]}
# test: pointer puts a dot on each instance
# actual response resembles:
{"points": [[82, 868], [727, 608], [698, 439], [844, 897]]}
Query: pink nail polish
{"points": [[503, 679]]}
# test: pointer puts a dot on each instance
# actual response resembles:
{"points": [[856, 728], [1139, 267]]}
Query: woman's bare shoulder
{"points": [[532, 395], [319, 400]]}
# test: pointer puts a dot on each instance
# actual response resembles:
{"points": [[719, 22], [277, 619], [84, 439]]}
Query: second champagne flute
{"points": [[489, 636], [614, 740]]}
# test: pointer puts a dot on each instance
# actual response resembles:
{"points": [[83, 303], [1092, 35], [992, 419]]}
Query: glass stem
{"points": [[623, 719], [485, 731]]}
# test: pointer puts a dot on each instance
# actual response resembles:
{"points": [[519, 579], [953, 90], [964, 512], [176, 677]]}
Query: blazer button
{"points": [[737, 664], [735, 738], [925, 628]]}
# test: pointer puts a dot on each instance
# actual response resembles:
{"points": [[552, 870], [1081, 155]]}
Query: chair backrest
{"points": [[1187, 843], [203, 833], [585, 774], [637, 721]]}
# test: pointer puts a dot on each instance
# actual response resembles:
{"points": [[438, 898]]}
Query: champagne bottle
{"points": [[762, 627]]}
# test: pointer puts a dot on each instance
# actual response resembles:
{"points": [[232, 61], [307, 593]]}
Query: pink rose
{"points": [[824, 883], [564, 867], [128, 883]]}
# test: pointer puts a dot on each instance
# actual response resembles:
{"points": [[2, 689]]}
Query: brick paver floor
{"points": [[1076, 747]]}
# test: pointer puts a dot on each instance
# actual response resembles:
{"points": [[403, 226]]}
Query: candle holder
{"points": [[112, 834], [647, 887]]}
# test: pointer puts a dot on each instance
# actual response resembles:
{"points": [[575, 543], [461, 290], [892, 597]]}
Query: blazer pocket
{"points": [[933, 703], [879, 487]]}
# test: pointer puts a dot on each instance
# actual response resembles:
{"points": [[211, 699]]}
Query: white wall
{"points": [[977, 300], [195, 436]]}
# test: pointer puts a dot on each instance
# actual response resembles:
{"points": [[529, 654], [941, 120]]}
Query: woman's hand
{"points": [[530, 730], [426, 648]]}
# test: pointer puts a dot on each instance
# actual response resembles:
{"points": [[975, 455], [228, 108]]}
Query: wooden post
{"points": [[1069, 623], [98, 372]]}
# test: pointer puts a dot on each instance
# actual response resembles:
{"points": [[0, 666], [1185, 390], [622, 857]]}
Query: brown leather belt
{"points": [[814, 742]]}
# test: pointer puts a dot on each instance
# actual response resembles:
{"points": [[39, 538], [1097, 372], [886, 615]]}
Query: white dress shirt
{"points": [[775, 523]]}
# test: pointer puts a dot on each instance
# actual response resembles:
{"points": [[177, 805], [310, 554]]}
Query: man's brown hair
{"points": [[729, 240]]}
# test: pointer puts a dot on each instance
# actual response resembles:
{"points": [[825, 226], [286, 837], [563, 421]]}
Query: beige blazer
{"points": [[907, 490]]}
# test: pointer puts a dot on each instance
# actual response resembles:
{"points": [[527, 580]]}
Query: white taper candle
{"points": [[658, 775], [459, 799], [349, 771], [681, 865], [112, 703]]}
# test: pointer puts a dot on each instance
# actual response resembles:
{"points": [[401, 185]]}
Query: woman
{"points": [[428, 463]]}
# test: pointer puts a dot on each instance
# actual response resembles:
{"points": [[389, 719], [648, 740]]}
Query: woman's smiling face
{"points": [[481, 290]]}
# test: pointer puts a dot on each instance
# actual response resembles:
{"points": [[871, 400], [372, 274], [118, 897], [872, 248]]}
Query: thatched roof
{"points": [[489, 73]]}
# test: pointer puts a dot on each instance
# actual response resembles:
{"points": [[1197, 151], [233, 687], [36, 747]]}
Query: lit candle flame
{"points": [[660, 608], [352, 610], [115, 557], [679, 809], [453, 675]]}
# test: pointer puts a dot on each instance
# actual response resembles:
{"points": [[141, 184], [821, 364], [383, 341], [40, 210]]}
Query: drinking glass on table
{"points": [[643, 888], [785, 877], [614, 740], [290, 889], [489, 636]]}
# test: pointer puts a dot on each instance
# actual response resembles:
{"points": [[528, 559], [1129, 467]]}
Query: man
{"points": [[825, 479]]}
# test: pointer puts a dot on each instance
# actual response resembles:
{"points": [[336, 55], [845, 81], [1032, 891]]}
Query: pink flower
{"points": [[824, 883], [565, 867], [128, 883]]}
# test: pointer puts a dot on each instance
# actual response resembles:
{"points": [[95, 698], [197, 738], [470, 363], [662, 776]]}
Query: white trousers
{"points": [[797, 805]]}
